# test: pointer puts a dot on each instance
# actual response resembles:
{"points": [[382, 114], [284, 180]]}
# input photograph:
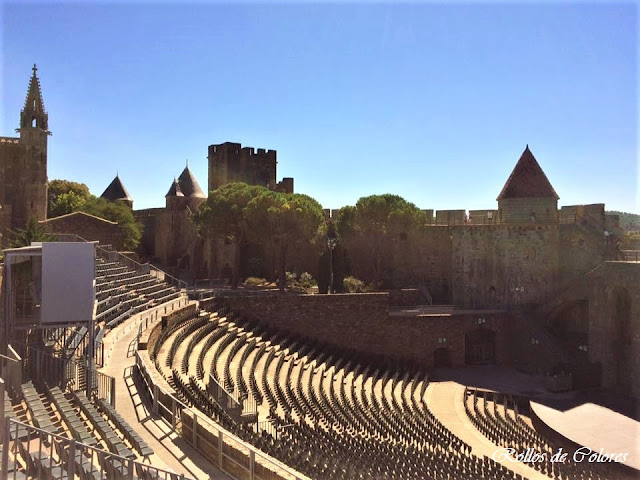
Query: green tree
{"points": [[331, 261], [288, 220], [116, 212], [223, 215], [33, 232], [379, 220], [64, 196]]}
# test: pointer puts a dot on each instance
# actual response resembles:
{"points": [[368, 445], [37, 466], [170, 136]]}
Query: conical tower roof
{"points": [[527, 180], [189, 185], [116, 191], [175, 190]]}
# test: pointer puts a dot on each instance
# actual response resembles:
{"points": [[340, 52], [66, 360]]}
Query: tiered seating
{"points": [[497, 416], [338, 415], [122, 292], [121, 424], [106, 432], [70, 416], [37, 409]]}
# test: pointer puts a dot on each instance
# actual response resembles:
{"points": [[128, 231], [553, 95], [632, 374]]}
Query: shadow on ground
{"points": [[509, 380]]}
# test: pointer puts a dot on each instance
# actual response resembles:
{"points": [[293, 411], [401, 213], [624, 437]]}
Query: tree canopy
{"points": [[380, 219], [66, 197], [224, 215], [287, 220], [33, 232]]}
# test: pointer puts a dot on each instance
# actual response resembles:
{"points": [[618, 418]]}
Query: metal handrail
{"points": [[74, 446], [176, 281], [139, 267], [206, 420]]}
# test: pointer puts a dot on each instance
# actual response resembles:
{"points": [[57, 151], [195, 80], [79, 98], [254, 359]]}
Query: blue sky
{"points": [[434, 102]]}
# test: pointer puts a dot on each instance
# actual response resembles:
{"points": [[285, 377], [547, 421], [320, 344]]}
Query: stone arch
{"points": [[570, 323], [492, 296], [480, 346]]}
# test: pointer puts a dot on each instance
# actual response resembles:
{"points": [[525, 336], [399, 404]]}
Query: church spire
{"points": [[34, 115]]}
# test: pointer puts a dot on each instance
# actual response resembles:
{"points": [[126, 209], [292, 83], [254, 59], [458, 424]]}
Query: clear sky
{"points": [[431, 101]]}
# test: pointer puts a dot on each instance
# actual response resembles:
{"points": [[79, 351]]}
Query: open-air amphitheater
{"points": [[166, 388]]}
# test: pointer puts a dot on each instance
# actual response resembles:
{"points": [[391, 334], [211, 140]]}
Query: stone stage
{"points": [[595, 419]]}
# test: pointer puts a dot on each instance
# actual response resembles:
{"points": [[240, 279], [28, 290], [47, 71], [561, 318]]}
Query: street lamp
{"points": [[332, 240]]}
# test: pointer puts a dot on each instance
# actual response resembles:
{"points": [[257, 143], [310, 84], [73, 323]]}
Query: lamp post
{"points": [[332, 240]]}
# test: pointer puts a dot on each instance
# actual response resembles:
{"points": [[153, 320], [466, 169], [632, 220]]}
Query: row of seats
{"points": [[498, 417], [337, 416], [121, 424], [122, 292], [70, 416], [107, 433]]}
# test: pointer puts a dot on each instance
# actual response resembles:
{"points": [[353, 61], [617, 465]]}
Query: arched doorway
{"points": [[622, 336], [480, 346], [442, 357], [570, 324]]}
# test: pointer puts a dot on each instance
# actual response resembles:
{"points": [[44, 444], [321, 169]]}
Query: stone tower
{"points": [[23, 164], [174, 197], [230, 162], [190, 189], [528, 196]]}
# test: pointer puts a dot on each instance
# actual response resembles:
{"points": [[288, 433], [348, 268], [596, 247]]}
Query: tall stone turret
{"points": [[528, 196], [23, 166], [30, 176], [174, 197], [193, 194]]}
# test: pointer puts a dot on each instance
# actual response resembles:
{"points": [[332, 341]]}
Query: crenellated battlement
{"points": [[593, 214], [231, 162]]}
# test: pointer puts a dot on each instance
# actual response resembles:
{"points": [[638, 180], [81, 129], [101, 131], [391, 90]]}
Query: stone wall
{"points": [[582, 247], [528, 210], [147, 218], [504, 265], [3, 333], [361, 323], [419, 259], [614, 325], [88, 227]]}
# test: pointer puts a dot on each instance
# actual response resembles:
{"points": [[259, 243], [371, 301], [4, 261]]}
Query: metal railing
{"points": [[48, 455], [229, 453], [112, 256], [630, 255], [163, 276], [66, 373]]}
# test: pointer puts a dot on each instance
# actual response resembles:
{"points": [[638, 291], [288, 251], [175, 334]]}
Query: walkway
{"points": [[445, 400], [170, 450]]}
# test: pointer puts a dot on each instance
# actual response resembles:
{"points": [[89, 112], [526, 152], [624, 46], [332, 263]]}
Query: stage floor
{"points": [[594, 419], [596, 427]]}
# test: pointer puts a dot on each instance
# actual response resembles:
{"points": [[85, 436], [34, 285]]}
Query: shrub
{"points": [[254, 282], [306, 280], [355, 285]]}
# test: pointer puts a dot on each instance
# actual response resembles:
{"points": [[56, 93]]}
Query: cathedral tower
{"points": [[23, 164]]}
